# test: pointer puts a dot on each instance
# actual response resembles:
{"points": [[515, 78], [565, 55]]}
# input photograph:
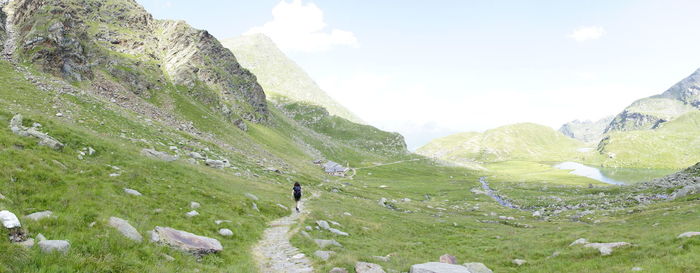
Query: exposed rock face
{"points": [[185, 241], [125, 229], [652, 112], [438, 268], [87, 39], [362, 267], [586, 131]]}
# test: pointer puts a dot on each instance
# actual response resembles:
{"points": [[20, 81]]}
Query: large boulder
{"points": [[48, 246], [125, 229], [477, 268], [39, 215], [158, 155], [362, 267], [185, 241], [9, 219], [438, 268]]}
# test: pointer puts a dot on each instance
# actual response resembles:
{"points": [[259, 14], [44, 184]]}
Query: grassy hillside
{"points": [[674, 145], [524, 141], [279, 75]]}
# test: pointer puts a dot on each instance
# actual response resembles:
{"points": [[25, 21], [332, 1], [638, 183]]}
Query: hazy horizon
{"points": [[428, 71]]}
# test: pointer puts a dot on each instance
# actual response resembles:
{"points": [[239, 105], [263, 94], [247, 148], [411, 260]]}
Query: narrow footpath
{"points": [[275, 254]]}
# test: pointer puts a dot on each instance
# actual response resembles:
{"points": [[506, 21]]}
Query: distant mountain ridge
{"points": [[586, 131], [651, 112], [279, 75]]}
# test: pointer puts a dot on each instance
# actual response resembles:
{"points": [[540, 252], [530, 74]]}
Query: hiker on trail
{"points": [[297, 194]]}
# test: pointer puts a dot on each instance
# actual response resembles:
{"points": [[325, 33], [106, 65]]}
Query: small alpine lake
{"points": [[615, 176]]}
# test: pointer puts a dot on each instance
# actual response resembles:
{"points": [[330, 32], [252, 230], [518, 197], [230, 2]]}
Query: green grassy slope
{"points": [[674, 145], [281, 76], [525, 141]]}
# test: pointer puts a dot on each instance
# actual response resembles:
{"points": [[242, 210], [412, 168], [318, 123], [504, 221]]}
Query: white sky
{"points": [[430, 68]]}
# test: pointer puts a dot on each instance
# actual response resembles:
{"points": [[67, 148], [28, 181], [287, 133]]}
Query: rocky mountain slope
{"points": [[280, 76], [586, 131], [525, 141], [650, 113]]}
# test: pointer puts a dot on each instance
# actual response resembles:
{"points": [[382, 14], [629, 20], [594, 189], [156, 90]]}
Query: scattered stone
{"points": [[347, 214], [688, 234], [167, 257], [9, 219], [196, 155], [362, 267], [192, 213], [91, 151], [158, 155], [241, 125], [283, 206], [39, 215], [554, 255], [448, 259], [323, 255], [580, 241], [44, 139], [323, 224], [125, 229], [29, 243], [519, 262], [434, 267], [194, 205], [477, 268], [255, 207], [219, 222], [309, 228], [252, 196], [92, 224], [48, 246], [157, 210], [225, 232], [216, 164], [185, 241], [40, 237], [114, 174], [2, 197], [382, 258], [637, 269], [326, 243], [338, 270], [606, 248], [132, 192]]}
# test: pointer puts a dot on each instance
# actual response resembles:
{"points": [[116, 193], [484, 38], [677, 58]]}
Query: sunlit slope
{"points": [[280, 75], [524, 141]]}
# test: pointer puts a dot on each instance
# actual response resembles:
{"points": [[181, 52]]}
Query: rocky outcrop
{"points": [[652, 112], [586, 131], [119, 42], [44, 139], [185, 241]]}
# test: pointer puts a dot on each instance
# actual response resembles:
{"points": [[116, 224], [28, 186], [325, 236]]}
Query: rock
{"points": [[195, 155], [362, 267], [185, 241], [326, 243], [39, 215], [40, 237], [219, 222], [158, 155], [44, 139], [347, 214], [323, 224], [29, 243], [519, 262], [255, 207], [606, 248], [252, 196], [448, 259], [309, 228], [580, 241], [637, 269], [2, 197], [9, 219], [283, 206], [477, 268], [434, 267], [323, 255], [114, 174], [48, 246], [216, 164], [192, 213], [382, 258], [167, 257], [382, 202], [194, 205], [537, 214], [338, 270], [688, 234], [241, 125], [125, 229], [225, 232], [132, 192]]}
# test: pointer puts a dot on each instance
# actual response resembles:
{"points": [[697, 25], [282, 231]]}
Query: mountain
{"points": [[672, 145], [279, 75], [650, 113], [524, 141], [586, 131]]}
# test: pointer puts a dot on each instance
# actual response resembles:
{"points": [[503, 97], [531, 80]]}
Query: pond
{"points": [[616, 176]]}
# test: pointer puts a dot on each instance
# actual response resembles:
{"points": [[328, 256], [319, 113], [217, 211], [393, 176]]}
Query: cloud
{"points": [[587, 33], [300, 27]]}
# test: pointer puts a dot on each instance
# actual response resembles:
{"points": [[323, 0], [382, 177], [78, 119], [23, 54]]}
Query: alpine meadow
{"points": [[134, 141]]}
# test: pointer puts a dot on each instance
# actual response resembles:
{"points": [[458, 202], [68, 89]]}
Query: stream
{"points": [[490, 192]]}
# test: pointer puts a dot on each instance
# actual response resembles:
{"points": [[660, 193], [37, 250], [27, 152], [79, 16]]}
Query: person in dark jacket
{"points": [[297, 194]]}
